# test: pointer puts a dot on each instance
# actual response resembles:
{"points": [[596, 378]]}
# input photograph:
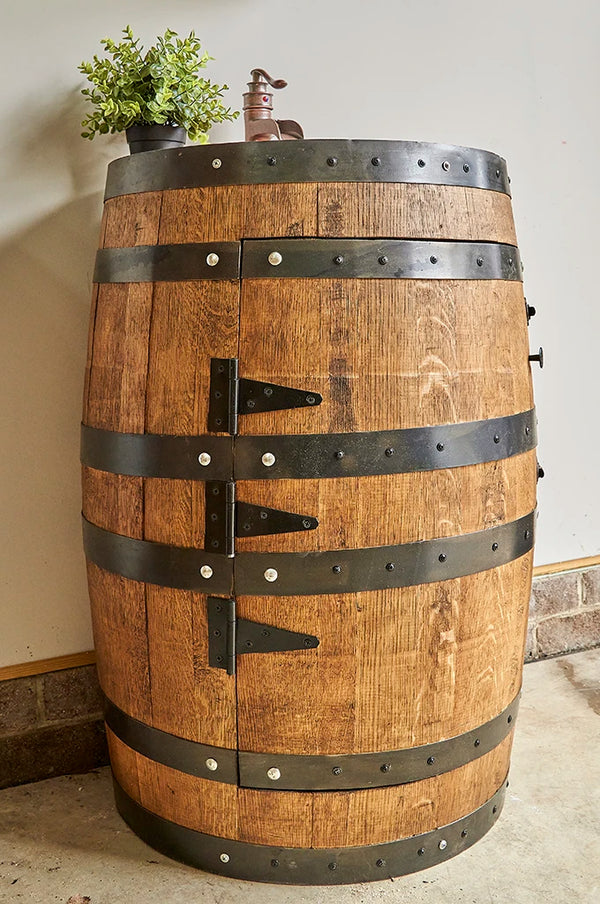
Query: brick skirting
{"points": [[564, 614], [51, 725]]}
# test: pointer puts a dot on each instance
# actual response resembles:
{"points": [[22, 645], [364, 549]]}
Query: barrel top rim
{"points": [[303, 142], [308, 160]]}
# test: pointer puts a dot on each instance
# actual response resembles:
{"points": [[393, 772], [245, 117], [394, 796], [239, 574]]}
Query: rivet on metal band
{"points": [[362, 259], [309, 456], [166, 263], [358, 160], [308, 573], [170, 750], [312, 773], [206, 457], [157, 563], [308, 866]]}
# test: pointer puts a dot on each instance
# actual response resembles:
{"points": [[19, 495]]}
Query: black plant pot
{"points": [[154, 137]]}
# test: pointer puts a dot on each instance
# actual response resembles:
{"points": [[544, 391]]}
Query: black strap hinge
{"points": [[219, 531], [231, 395], [229, 636], [255, 520], [227, 519]]}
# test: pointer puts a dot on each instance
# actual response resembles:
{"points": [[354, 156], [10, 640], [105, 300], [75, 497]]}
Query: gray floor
{"points": [[62, 838]]}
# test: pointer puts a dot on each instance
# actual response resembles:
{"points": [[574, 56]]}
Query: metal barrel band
{"points": [[204, 760], [346, 772], [309, 456], [310, 258], [184, 568], [308, 866], [355, 771], [314, 160], [168, 263], [382, 567], [379, 259], [309, 573], [316, 456], [206, 457]]}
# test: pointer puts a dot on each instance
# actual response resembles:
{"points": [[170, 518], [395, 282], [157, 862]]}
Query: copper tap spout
{"points": [[258, 108]]}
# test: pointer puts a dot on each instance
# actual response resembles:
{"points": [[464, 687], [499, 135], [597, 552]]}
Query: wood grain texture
{"points": [[117, 383], [229, 213], [409, 211], [116, 400], [306, 819], [358, 512], [394, 668], [378, 815], [386, 354], [132, 220], [191, 323], [90, 349], [119, 624]]}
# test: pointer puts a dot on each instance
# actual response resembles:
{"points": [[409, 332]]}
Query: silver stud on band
{"points": [[275, 258], [268, 459], [212, 259], [206, 571], [273, 773], [271, 575], [204, 459]]}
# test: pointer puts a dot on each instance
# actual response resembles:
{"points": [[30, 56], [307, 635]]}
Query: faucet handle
{"points": [[260, 75]]}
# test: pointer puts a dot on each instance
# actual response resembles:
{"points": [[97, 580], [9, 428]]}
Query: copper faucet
{"points": [[258, 107]]}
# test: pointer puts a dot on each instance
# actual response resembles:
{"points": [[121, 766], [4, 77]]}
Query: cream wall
{"points": [[520, 78]]}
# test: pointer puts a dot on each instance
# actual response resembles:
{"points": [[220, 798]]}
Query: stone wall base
{"points": [[564, 614], [51, 724]]}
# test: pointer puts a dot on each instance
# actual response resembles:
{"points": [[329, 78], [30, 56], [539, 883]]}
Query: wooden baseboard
{"points": [[569, 565], [41, 666]]}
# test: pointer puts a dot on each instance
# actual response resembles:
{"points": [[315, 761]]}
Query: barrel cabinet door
{"points": [[410, 593]]}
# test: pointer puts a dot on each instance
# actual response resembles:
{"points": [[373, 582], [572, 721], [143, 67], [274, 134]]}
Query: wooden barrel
{"points": [[309, 490]]}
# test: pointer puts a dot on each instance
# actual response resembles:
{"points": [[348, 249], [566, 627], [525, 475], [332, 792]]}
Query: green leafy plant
{"points": [[162, 86]]}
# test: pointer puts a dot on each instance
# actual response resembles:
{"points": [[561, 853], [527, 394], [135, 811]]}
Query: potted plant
{"points": [[156, 97]]}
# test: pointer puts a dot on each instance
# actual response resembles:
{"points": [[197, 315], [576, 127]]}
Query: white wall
{"points": [[519, 78]]}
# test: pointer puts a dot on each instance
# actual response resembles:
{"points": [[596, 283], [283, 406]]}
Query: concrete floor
{"points": [[62, 838]]}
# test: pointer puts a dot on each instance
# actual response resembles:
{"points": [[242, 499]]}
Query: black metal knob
{"points": [[530, 311], [540, 471], [539, 357]]}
